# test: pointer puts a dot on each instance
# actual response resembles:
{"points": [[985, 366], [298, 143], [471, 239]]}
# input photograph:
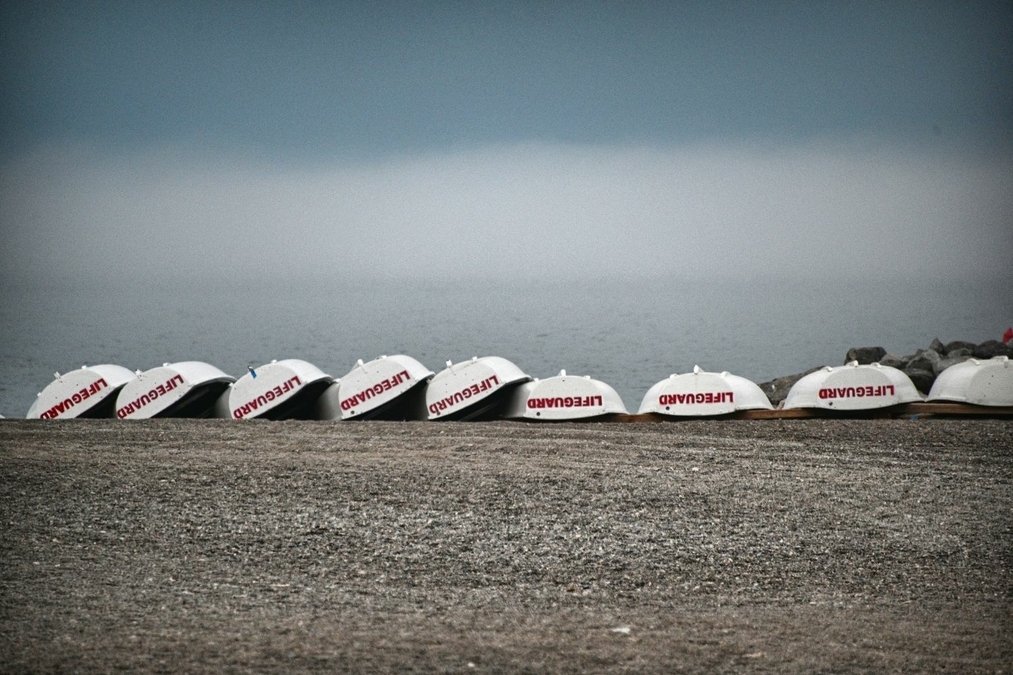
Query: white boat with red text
{"points": [[386, 388], [703, 394], [88, 392], [278, 390], [852, 387], [564, 397], [182, 389], [473, 390]]}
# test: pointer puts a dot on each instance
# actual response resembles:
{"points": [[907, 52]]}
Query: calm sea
{"points": [[629, 333]]}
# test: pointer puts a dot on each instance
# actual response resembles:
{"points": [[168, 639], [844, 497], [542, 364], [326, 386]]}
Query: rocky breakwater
{"points": [[923, 366]]}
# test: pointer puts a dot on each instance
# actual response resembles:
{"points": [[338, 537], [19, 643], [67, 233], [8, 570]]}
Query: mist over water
{"points": [[628, 332], [514, 210]]}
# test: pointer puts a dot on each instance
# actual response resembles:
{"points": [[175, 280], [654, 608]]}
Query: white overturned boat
{"points": [[564, 397], [852, 387], [979, 382], [88, 392], [475, 389], [279, 390], [702, 393], [386, 388], [182, 389]]}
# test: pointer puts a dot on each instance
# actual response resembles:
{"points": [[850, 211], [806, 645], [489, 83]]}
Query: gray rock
{"points": [[961, 351], [922, 379], [945, 363], [777, 389], [958, 344], [923, 359], [894, 361], [990, 348], [865, 355], [937, 346]]}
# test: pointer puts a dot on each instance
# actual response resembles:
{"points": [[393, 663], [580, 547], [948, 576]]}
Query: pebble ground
{"points": [[792, 546]]}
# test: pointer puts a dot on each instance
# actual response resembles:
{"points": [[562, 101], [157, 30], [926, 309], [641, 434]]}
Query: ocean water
{"points": [[629, 333]]}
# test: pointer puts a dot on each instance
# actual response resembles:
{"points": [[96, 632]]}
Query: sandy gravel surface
{"points": [[292, 547]]}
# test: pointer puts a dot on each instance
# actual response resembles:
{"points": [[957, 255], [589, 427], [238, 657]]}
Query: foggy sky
{"points": [[517, 139]]}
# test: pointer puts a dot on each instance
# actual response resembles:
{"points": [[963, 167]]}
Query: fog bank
{"points": [[522, 210]]}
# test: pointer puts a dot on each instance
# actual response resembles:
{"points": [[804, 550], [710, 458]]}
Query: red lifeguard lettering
{"points": [[146, 399], [709, 397], [565, 402], [261, 401], [460, 396], [77, 397], [375, 390], [855, 392]]}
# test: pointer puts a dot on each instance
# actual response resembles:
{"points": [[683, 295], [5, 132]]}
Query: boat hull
{"points": [[89, 392], [184, 389], [473, 390], [703, 394], [979, 382], [279, 390]]}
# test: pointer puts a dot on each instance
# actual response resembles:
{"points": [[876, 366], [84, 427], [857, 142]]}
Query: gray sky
{"points": [[509, 138]]}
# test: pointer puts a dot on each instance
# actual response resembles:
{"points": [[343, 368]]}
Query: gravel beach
{"points": [[790, 546]]}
